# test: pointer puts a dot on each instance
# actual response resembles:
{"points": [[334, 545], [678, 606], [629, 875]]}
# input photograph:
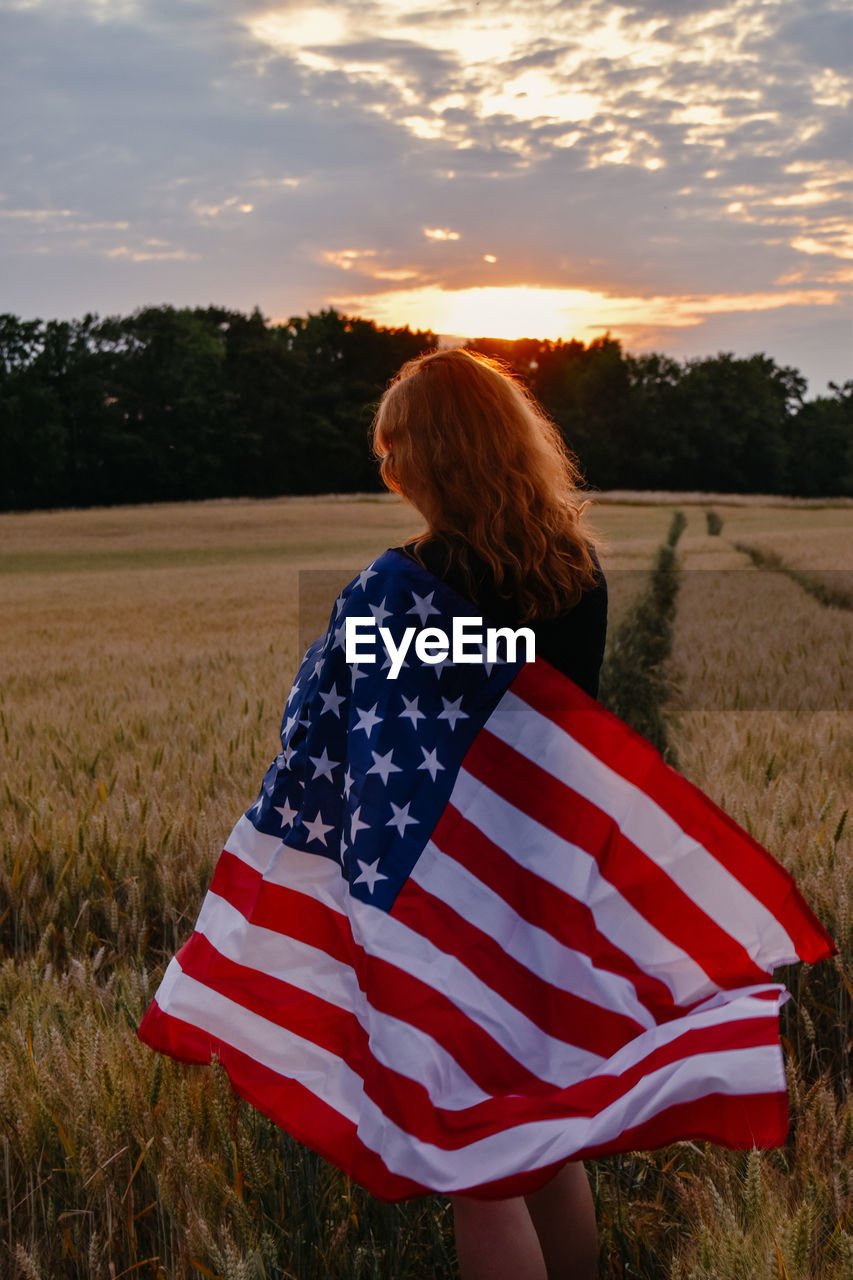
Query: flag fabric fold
{"points": [[474, 926]]}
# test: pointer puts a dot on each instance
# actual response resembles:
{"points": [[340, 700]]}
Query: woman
{"points": [[473, 930], [462, 441], [469, 447]]}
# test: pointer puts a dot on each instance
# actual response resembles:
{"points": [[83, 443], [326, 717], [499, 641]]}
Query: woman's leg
{"points": [[549, 1235], [563, 1214], [496, 1240]]}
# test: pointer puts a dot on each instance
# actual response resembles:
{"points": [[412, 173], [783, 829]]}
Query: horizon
{"points": [[450, 340]]}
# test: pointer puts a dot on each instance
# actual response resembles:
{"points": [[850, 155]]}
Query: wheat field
{"points": [[145, 655]]}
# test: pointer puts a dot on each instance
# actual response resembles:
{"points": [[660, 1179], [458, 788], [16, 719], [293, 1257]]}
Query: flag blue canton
{"points": [[368, 763]]}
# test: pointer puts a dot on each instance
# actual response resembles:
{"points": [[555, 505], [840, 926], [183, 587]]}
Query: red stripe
{"points": [[636, 876], [735, 1121], [392, 990], [311, 1121], [338, 1031], [636, 760], [273, 906], [406, 1102], [410, 1107], [334, 1029], [541, 903], [739, 1122], [566, 1017]]}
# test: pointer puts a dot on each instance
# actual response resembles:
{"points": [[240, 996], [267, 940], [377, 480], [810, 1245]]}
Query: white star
{"points": [[287, 753], [357, 825], [347, 782], [431, 762], [423, 606], [288, 724], [323, 766], [293, 689], [340, 636], [452, 712], [318, 666], [379, 612], [306, 722], [368, 720], [317, 828], [339, 604], [356, 675], [383, 765], [411, 711], [364, 577], [401, 817], [369, 874], [287, 814], [332, 701]]}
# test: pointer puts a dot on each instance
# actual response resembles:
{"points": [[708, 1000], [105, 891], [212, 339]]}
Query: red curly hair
{"points": [[462, 439]]}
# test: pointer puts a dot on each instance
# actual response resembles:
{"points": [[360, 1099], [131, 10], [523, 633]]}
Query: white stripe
{"points": [[684, 859], [396, 1044], [280, 956], [577, 874], [279, 864], [530, 1145], [535, 948], [252, 846], [323, 1073], [388, 939], [740, 1006], [554, 1061], [540, 850], [722, 997]]}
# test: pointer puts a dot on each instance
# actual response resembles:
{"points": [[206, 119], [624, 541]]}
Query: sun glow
{"points": [[523, 311], [493, 312]]}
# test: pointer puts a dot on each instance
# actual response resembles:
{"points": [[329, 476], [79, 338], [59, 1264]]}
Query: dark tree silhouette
{"points": [[169, 404]]}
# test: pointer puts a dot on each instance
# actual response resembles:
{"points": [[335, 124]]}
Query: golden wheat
{"points": [[746, 638], [146, 654]]}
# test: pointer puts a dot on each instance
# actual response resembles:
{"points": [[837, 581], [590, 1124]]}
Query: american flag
{"points": [[473, 927]]}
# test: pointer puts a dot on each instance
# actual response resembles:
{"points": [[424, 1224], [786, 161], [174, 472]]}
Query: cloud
{"points": [[822, 38], [152, 251], [662, 11], [287, 154], [576, 312]]}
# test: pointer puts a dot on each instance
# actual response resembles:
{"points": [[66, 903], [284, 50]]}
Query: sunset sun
{"points": [[496, 312], [523, 311]]}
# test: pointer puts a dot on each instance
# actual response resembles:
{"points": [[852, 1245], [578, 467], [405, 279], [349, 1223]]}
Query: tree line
{"points": [[173, 404]]}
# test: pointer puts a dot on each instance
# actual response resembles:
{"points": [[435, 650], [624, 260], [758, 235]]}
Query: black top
{"points": [[573, 642]]}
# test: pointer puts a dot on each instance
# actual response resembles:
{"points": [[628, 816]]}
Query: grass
{"points": [[146, 653], [833, 588], [634, 681], [762, 724]]}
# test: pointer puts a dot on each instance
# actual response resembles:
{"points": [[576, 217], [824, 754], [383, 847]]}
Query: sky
{"points": [[675, 172]]}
